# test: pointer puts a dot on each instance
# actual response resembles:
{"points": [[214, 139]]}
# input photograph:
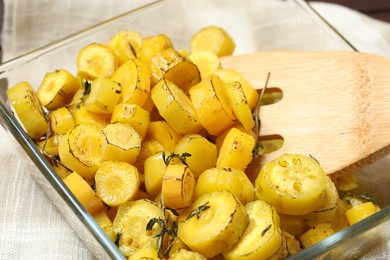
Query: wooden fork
{"points": [[335, 105]]}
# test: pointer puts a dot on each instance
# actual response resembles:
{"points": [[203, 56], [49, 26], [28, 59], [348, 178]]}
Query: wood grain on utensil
{"points": [[335, 105]]}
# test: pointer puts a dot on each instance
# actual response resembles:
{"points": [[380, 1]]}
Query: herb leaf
{"points": [[266, 230], [182, 157], [87, 87], [117, 238], [169, 229], [256, 118], [196, 212]]}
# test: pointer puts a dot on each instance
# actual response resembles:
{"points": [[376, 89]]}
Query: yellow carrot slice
{"points": [[229, 76], [292, 244], [62, 171], [219, 179], [213, 223], [219, 139], [359, 212], [147, 253], [133, 114], [340, 220], [152, 46], [294, 184], [316, 234], [125, 45], [262, 237], [240, 104], [57, 89], [213, 39], [176, 67], [326, 212], [175, 107], [162, 132], [281, 252], [123, 142], [293, 224], [149, 147], [116, 182], [187, 254], [77, 100], [212, 105], [25, 102], [61, 121], [84, 193], [206, 61], [96, 61], [105, 223], [134, 77], [248, 189], [81, 149], [49, 145], [82, 115], [178, 186], [131, 221], [154, 168], [149, 104], [103, 96], [203, 152], [178, 245], [236, 150]]}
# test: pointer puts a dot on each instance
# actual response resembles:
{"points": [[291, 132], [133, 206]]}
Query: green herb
{"points": [[132, 49], [196, 212], [87, 87], [364, 196], [256, 118], [93, 187], [182, 157], [117, 238], [266, 230], [173, 211], [257, 150], [367, 197], [87, 90], [55, 159], [169, 229]]}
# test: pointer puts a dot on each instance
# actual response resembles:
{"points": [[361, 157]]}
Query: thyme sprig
{"points": [[87, 90], [363, 196], [86, 85], [366, 196], [169, 229], [182, 157], [117, 238], [256, 117], [266, 230], [196, 212], [54, 159]]}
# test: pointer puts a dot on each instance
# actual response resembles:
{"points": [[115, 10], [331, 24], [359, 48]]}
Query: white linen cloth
{"points": [[30, 225]]}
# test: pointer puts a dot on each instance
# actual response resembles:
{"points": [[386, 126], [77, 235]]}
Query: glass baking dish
{"points": [[255, 25]]}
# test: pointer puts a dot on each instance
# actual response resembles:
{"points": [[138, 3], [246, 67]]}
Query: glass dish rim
{"points": [[344, 235], [14, 127]]}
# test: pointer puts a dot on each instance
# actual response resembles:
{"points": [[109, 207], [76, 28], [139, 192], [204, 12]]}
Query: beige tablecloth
{"points": [[30, 226]]}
